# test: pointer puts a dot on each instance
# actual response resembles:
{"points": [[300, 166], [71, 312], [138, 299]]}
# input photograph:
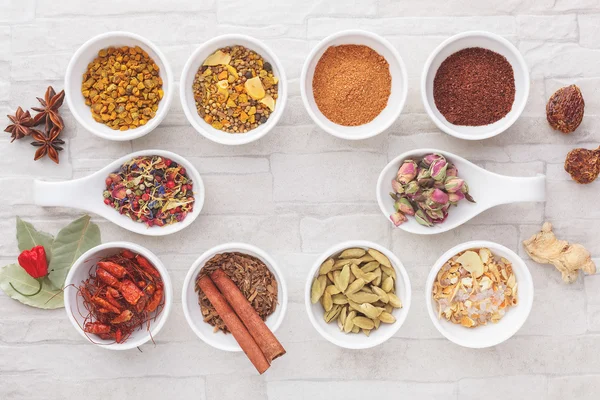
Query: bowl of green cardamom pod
{"points": [[357, 294]]}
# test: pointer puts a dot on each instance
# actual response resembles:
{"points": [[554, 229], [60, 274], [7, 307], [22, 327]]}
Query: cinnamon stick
{"points": [[234, 324], [263, 336]]}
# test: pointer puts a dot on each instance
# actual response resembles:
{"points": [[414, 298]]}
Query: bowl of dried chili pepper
{"points": [[119, 86], [118, 295]]}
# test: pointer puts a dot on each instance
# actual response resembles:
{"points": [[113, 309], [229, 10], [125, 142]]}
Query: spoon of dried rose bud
{"points": [[426, 184]]}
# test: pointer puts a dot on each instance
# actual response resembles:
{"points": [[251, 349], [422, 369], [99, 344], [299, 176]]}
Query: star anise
{"points": [[48, 143], [48, 113], [21, 124]]}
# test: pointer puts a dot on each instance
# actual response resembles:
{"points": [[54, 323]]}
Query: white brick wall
{"points": [[300, 190]]}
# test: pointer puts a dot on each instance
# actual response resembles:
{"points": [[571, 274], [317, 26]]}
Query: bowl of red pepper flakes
{"points": [[151, 189], [118, 295]]}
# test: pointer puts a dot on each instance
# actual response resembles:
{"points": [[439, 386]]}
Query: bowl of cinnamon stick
{"points": [[234, 298]]}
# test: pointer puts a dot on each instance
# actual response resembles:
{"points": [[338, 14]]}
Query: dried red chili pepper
{"points": [[35, 264]]}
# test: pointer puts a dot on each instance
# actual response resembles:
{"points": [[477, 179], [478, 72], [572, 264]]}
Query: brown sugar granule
{"points": [[474, 87], [352, 84]]}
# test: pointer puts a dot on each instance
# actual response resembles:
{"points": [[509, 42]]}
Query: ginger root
{"points": [[545, 248]]}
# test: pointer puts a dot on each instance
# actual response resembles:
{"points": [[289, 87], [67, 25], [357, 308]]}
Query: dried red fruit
{"points": [[564, 110], [583, 165]]}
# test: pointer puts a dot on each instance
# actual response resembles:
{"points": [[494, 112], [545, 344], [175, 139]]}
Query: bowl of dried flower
{"points": [[255, 274], [479, 294], [233, 89], [357, 294], [119, 86]]}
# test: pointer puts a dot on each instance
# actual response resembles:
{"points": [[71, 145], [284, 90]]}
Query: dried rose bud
{"points": [[412, 188], [453, 184], [431, 158], [439, 197], [397, 186], [404, 206], [426, 182], [564, 110], [398, 218], [407, 172], [451, 170], [423, 174], [456, 197], [436, 215], [423, 219], [583, 165], [438, 170]]}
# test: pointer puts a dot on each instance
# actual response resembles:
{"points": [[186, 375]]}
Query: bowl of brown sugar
{"points": [[475, 85], [354, 84]]}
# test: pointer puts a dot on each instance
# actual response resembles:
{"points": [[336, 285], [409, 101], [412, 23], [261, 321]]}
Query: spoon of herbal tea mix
{"points": [[426, 206], [150, 192]]}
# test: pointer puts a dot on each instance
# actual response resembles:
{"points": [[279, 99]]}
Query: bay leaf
{"points": [[49, 298], [71, 242], [29, 237]]}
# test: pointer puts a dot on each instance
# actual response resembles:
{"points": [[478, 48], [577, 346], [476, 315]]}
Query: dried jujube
{"points": [[564, 110], [583, 165]]}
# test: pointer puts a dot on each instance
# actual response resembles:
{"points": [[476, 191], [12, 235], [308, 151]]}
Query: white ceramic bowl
{"points": [[78, 65], [86, 194], [491, 334], [331, 331], [395, 102], [81, 271], [186, 92], [191, 308], [488, 41]]}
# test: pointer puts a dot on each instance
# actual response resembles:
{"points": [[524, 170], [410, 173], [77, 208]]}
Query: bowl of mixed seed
{"points": [[233, 89], [119, 86]]}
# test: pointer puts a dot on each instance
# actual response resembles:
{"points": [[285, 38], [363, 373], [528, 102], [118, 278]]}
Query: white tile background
{"points": [[290, 194]]}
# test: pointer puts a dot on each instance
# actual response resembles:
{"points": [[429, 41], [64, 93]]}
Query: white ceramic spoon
{"points": [[86, 194], [487, 188]]}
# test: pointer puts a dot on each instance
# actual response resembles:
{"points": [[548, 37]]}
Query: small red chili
{"points": [[35, 264], [170, 184]]}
